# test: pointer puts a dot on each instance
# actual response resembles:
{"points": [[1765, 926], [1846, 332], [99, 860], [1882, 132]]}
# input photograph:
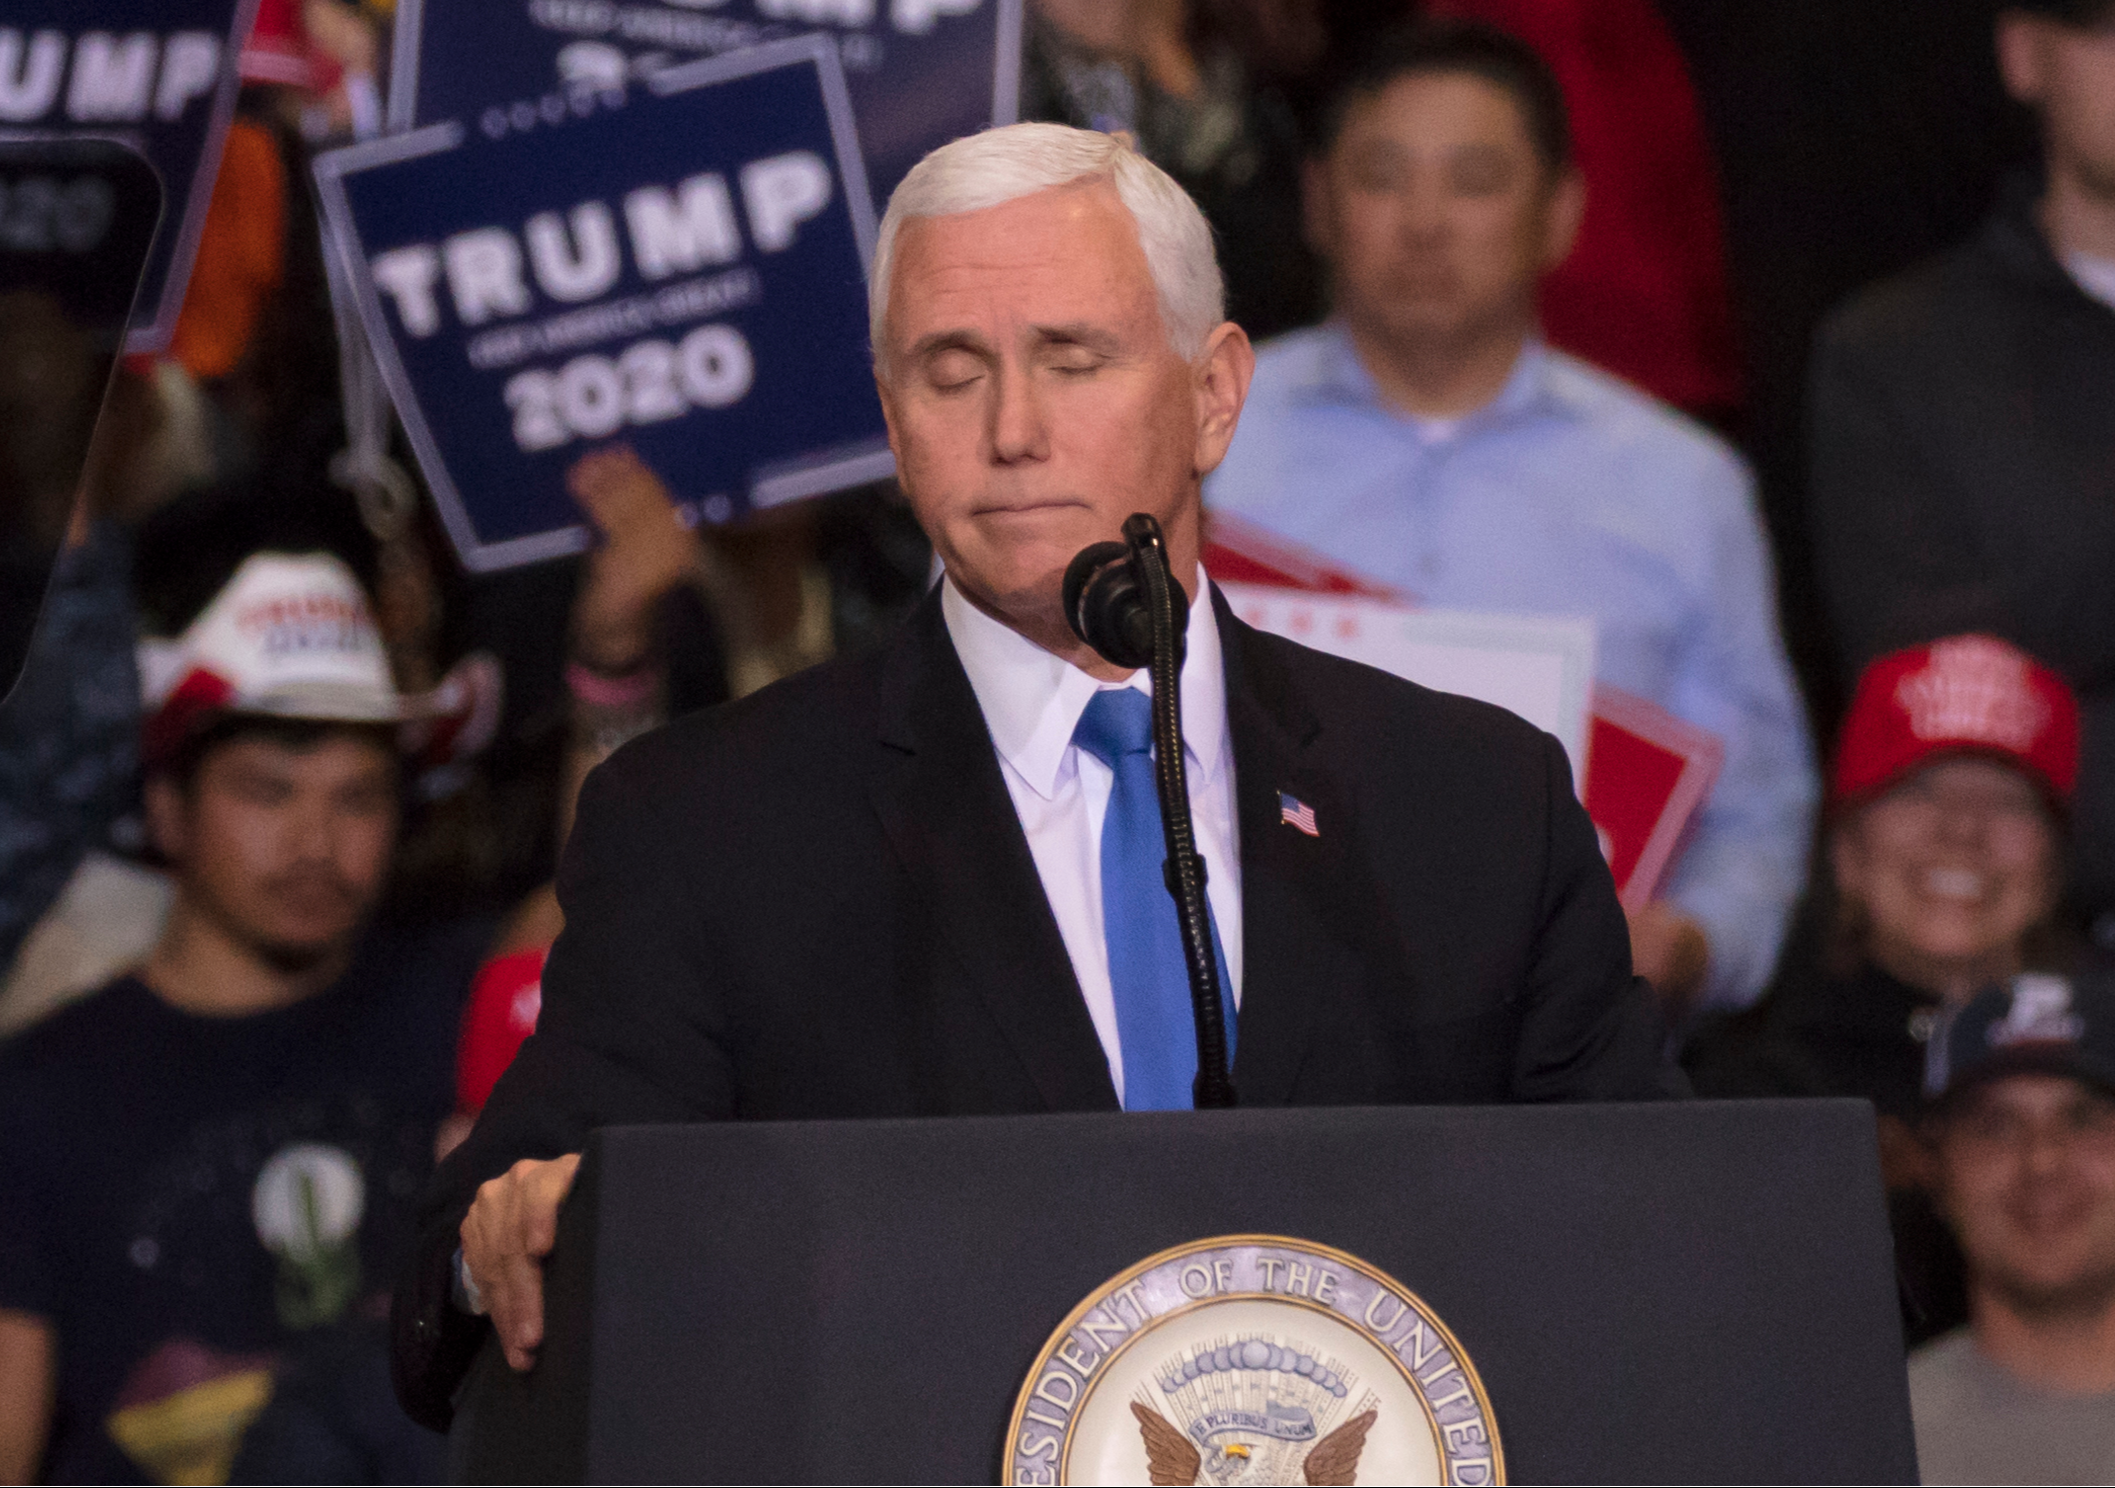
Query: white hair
{"points": [[1017, 160]]}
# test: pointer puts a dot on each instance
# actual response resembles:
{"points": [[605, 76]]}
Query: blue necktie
{"points": [[1146, 967]]}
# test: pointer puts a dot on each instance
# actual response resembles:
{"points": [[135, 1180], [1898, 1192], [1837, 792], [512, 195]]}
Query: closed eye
{"points": [[1075, 361], [1077, 349], [951, 369]]}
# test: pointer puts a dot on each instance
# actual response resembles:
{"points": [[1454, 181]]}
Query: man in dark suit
{"points": [[916, 883]]}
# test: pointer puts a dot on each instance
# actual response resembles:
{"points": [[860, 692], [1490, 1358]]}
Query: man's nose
{"points": [[313, 833], [1018, 431], [1422, 218], [2047, 1150]]}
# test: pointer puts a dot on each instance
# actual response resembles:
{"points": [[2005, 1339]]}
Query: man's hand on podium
{"points": [[507, 1233]]}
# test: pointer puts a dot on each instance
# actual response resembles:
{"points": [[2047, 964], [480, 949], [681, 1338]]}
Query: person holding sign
{"points": [[1428, 438], [882, 887]]}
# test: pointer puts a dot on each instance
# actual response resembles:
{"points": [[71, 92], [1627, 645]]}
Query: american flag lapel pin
{"points": [[1296, 813]]}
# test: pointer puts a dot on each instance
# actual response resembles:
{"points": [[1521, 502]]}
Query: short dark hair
{"points": [[297, 734], [2069, 12], [1428, 47]]}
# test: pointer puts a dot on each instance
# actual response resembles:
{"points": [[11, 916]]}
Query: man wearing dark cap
{"points": [[2023, 1084]]}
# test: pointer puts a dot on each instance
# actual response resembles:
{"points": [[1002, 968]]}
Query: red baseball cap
{"points": [[1970, 694]]}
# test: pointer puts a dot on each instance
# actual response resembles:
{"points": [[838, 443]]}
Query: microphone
{"points": [[1107, 607], [1121, 598]]}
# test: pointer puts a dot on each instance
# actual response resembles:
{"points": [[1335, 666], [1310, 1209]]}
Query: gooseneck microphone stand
{"points": [[1122, 599]]}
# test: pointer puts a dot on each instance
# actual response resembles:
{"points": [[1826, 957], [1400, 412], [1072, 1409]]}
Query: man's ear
{"points": [[1567, 210], [2019, 55], [1222, 377], [168, 817]]}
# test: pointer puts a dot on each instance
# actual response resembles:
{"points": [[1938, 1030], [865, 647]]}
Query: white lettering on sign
{"points": [[781, 193], [916, 17], [190, 68], [406, 275], [683, 232], [582, 268], [819, 12], [649, 382], [39, 214], [116, 79], [484, 274], [30, 69], [112, 76], [577, 256], [631, 315]]}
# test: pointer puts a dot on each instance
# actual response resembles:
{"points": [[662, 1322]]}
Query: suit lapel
{"points": [[1293, 963], [944, 804]]}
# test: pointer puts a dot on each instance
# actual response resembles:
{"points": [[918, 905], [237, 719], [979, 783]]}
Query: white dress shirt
{"points": [[1032, 702], [2094, 274]]}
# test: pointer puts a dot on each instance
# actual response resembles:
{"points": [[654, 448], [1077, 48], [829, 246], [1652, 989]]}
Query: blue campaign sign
{"points": [[157, 75], [679, 265], [921, 72]]}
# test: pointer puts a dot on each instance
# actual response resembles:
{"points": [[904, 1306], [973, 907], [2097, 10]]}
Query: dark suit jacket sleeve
{"points": [[1590, 1029], [629, 1033]]}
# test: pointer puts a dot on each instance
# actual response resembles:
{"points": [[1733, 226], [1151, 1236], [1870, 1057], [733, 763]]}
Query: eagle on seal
{"points": [[1172, 1458]]}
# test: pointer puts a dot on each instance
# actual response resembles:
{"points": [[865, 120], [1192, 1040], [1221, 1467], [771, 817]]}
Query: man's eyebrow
{"points": [[1382, 148], [1480, 150], [1079, 333], [961, 339], [1095, 338]]}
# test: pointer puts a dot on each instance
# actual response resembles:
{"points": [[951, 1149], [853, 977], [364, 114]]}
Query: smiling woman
{"points": [[1953, 778], [1953, 782]]}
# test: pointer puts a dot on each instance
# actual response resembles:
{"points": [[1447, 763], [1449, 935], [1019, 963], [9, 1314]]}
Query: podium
{"points": [[1687, 1292]]}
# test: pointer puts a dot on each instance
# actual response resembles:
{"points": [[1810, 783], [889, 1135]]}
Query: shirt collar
{"points": [[1337, 375], [1032, 700]]}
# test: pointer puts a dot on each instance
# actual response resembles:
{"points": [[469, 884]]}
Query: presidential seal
{"points": [[1253, 1359]]}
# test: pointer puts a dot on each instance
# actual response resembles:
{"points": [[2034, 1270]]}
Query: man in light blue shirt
{"points": [[1427, 437]]}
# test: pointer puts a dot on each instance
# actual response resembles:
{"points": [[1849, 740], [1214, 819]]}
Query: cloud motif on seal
{"points": [[1255, 1353]]}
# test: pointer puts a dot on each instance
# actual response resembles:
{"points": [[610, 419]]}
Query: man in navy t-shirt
{"points": [[213, 1160]]}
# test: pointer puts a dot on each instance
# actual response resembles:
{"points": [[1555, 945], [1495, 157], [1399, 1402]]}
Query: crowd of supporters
{"points": [[1539, 333]]}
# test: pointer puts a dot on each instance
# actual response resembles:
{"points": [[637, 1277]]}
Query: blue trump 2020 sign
{"points": [[157, 75], [679, 265], [920, 72]]}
